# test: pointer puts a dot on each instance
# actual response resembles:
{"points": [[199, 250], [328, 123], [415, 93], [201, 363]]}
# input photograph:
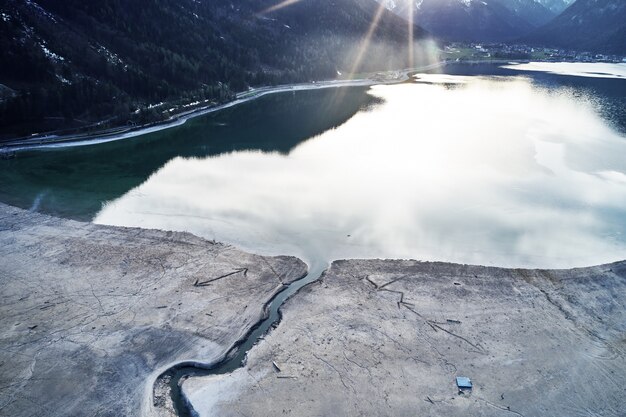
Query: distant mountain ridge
{"points": [[475, 20], [532, 11], [587, 25], [77, 62], [556, 6]]}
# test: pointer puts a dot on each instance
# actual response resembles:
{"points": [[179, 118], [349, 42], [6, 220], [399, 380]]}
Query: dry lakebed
{"points": [[92, 315]]}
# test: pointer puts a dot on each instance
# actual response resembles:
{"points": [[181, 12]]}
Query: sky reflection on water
{"points": [[492, 171]]}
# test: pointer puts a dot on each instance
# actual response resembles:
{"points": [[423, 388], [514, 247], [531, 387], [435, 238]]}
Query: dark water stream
{"points": [[236, 357]]}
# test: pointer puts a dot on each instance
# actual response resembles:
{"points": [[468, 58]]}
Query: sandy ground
{"points": [[90, 315], [388, 338]]}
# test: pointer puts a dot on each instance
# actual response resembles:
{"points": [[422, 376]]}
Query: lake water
{"points": [[481, 164]]}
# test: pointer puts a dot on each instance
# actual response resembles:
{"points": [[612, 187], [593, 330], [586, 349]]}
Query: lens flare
{"points": [[425, 51], [367, 39], [409, 19], [279, 6]]}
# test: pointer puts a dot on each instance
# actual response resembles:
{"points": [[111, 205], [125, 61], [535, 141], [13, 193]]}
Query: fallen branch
{"points": [[205, 283], [475, 346]]}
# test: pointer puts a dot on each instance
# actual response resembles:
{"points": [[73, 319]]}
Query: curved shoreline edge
{"points": [[178, 120], [47, 142]]}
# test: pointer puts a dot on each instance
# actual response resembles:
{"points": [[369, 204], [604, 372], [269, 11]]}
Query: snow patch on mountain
{"points": [[40, 10], [111, 57], [51, 55]]}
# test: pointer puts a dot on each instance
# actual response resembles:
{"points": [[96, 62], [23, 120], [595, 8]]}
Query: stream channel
{"points": [[236, 357]]}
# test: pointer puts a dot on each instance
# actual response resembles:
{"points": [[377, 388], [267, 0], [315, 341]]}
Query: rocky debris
{"points": [[388, 338], [90, 315]]}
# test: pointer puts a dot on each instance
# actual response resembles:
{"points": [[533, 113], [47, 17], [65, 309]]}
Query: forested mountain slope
{"points": [[532, 11], [75, 62], [557, 6]]}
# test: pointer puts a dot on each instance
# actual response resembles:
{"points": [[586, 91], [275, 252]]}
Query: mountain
{"points": [[556, 6], [587, 25], [474, 20], [73, 63], [532, 11]]}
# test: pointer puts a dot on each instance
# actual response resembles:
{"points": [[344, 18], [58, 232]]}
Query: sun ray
{"points": [[368, 37], [279, 6], [411, 27]]}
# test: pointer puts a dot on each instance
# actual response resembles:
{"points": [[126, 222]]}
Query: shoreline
{"points": [[121, 133], [45, 142], [49, 140]]}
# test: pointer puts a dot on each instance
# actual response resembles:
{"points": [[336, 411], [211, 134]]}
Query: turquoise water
{"points": [[483, 165]]}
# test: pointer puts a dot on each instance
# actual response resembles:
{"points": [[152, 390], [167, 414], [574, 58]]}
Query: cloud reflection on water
{"points": [[493, 171]]}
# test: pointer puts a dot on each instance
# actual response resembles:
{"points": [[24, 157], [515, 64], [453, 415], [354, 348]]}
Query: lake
{"points": [[476, 164]]}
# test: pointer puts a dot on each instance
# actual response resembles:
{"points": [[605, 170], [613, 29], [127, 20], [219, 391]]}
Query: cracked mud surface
{"points": [[388, 338], [90, 314]]}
